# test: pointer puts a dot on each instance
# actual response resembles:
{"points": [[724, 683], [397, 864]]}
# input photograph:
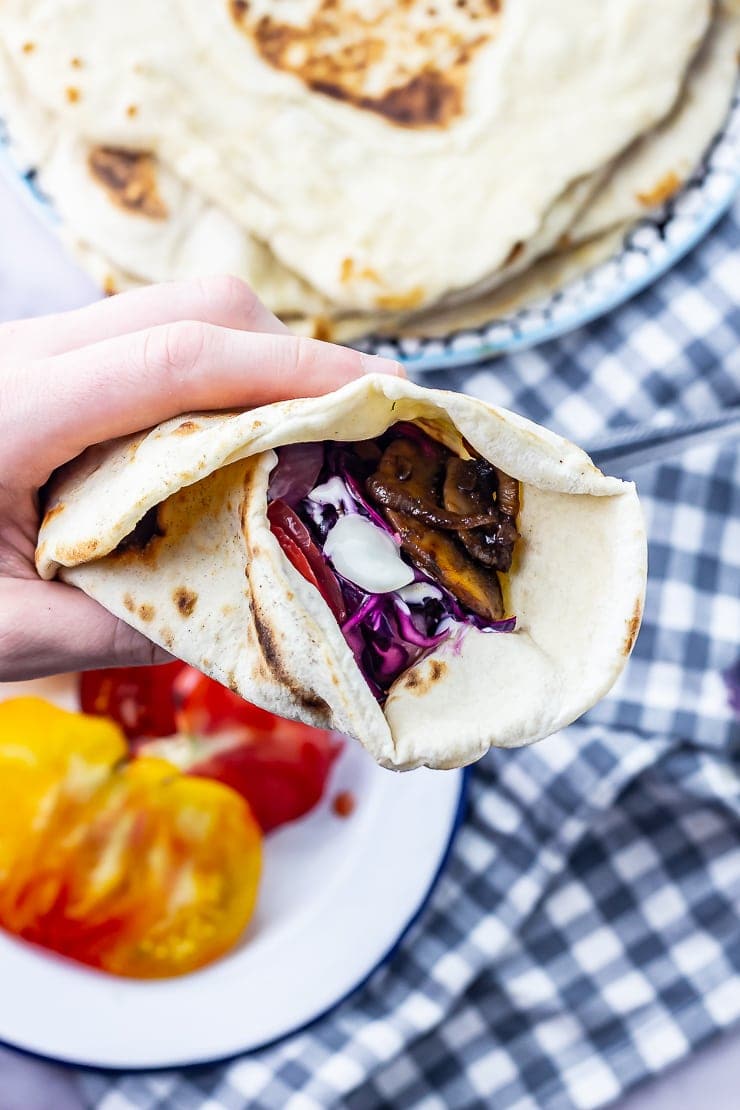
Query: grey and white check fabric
{"points": [[586, 931]]}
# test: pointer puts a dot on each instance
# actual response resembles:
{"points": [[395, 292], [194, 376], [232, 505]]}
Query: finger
{"points": [[222, 300], [69, 632], [62, 405]]}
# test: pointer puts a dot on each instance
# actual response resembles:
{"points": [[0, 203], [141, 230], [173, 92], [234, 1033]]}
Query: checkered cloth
{"points": [[586, 931]]}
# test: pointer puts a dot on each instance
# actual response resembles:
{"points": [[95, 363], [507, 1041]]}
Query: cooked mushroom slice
{"points": [[408, 481], [468, 486], [494, 546], [438, 554], [508, 494], [460, 493]]}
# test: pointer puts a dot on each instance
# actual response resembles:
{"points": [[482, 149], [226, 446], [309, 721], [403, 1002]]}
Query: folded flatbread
{"points": [[171, 530]]}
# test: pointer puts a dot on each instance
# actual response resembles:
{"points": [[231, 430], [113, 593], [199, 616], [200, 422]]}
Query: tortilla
{"points": [[212, 585], [363, 180]]}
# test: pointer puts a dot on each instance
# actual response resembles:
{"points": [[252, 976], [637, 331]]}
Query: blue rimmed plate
{"points": [[336, 898]]}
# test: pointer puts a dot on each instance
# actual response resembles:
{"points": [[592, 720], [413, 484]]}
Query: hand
{"points": [[117, 367]]}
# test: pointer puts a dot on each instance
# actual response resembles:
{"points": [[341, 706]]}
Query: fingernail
{"points": [[376, 364]]}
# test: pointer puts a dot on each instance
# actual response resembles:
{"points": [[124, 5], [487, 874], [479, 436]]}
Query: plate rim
{"points": [[458, 818], [452, 360]]}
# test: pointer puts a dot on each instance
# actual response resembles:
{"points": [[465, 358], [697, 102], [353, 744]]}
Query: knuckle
{"points": [[174, 350], [301, 355], [227, 296]]}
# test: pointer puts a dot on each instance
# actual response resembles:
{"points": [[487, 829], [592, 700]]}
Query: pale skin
{"points": [[82, 377]]}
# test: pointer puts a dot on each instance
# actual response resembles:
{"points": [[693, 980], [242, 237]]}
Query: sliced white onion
{"points": [[418, 592], [447, 624], [366, 555], [334, 492]]}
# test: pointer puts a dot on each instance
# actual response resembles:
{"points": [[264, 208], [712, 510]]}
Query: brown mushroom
{"points": [[468, 488], [408, 480], [437, 553], [494, 547], [508, 494]]}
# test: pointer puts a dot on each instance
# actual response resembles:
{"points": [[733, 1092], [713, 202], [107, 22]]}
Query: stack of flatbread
{"points": [[366, 165]]}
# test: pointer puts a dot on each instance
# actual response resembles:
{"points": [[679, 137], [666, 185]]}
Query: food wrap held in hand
{"points": [[427, 630]]}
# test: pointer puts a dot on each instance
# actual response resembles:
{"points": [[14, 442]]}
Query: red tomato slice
{"points": [[280, 767], [204, 707], [296, 557], [286, 524], [281, 774], [139, 699]]}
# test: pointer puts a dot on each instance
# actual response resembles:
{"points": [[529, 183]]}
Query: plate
{"points": [[336, 898], [650, 248]]}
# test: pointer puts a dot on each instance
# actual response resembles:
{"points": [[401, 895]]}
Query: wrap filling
{"points": [[404, 540]]}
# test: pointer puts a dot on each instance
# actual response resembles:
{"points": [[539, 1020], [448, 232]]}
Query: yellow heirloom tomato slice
{"points": [[146, 874], [46, 752]]}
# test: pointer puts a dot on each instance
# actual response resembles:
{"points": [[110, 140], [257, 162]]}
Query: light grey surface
{"points": [[710, 1080], [36, 276]]}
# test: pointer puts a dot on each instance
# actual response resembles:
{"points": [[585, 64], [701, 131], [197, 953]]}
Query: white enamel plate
{"points": [[336, 897]]}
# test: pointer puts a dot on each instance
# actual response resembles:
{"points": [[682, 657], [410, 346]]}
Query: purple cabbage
{"points": [[297, 471]]}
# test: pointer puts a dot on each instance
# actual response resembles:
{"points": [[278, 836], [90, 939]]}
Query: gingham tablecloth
{"points": [[586, 931]]}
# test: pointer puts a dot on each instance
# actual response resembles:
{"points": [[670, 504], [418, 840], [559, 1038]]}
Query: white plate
{"points": [[336, 897]]}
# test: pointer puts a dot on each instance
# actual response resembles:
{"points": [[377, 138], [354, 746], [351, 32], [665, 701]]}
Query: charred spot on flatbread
{"points": [[187, 428], [662, 191], [51, 513], [271, 652], [407, 61], [185, 601], [633, 628], [422, 678], [129, 177], [401, 302]]}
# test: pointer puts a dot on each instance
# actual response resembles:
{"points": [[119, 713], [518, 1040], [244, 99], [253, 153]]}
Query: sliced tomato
{"points": [[139, 699], [280, 767], [39, 747], [204, 707], [282, 774], [295, 556], [129, 867], [286, 524]]}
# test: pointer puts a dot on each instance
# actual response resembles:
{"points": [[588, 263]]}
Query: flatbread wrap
{"points": [[416, 568]]}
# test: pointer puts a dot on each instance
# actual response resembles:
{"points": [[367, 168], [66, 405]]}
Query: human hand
{"points": [[117, 367]]}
